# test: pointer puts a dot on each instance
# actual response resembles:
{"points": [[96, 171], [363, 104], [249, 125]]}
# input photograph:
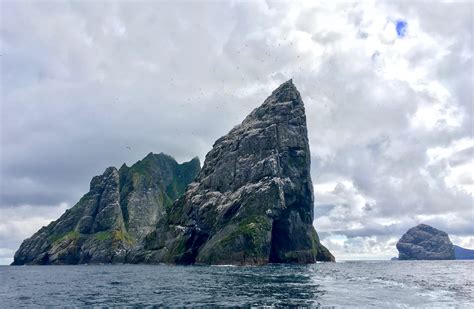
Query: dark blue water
{"points": [[376, 284]]}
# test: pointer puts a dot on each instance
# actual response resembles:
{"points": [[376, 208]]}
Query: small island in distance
{"points": [[424, 242]]}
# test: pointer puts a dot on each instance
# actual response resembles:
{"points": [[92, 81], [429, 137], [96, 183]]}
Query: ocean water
{"points": [[343, 284]]}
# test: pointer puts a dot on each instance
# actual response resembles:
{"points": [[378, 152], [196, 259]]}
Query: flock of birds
{"points": [[228, 90]]}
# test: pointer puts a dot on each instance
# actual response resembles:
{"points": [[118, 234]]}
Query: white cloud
{"points": [[21, 222]]}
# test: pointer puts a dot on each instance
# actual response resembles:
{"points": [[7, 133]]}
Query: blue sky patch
{"points": [[401, 27]]}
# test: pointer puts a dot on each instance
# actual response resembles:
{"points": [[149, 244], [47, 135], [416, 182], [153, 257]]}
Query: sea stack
{"points": [[424, 242], [252, 202]]}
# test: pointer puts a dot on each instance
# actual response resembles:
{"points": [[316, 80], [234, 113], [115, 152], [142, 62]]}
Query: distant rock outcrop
{"points": [[121, 208], [424, 242], [252, 202], [463, 253]]}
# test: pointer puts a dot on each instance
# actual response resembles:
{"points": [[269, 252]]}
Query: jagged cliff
{"points": [[252, 202], [121, 208]]}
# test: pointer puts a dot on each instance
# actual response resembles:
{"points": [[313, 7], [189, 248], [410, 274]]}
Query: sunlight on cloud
{"points": [[458, 174], [362, 248]]}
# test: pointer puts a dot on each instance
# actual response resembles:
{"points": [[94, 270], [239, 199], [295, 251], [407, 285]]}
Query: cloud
{"points": [[89, 85], [20, 222]]}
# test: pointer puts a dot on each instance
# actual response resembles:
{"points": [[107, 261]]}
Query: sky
{"points": [[387, 88]]}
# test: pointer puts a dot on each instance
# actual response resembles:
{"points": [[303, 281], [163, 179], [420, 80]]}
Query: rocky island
{"points": [[424, 242], [250, 204], [120, 209]]}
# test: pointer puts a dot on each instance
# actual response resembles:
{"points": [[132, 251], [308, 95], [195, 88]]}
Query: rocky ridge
{"points": [[120, 209]]}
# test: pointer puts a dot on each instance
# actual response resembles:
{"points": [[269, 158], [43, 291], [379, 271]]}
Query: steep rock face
{"points": [[121, 207], [424, 242], [252, 202]]}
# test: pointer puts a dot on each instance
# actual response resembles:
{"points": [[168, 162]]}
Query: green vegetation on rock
{"points": [[251, 229], [56, 238], [120, 209], [102, 236], [123, 237]]}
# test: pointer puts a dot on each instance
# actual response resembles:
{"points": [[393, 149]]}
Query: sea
{"points": [[362, 284]]}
